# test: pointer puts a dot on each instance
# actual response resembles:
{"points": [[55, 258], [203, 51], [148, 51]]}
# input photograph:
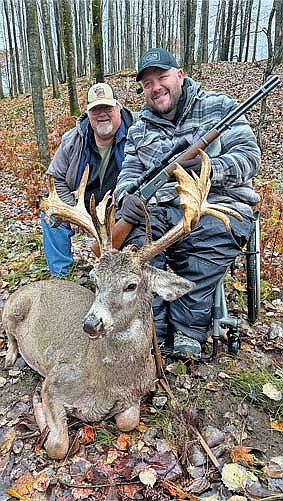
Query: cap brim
{"points": [[107, 102], [150, 65]]}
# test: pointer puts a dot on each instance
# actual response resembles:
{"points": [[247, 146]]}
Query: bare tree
{"points": [[69, 51], [11, 52], [97, 40], [256, 31], [203, 34], [189, 39], [49, 45], [278, 36], [36, 80]]}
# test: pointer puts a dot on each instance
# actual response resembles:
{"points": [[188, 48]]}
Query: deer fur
{"points": [[96, 376]]}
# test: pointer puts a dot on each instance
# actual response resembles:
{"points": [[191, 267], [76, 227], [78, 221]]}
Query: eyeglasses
{"points": [[102, 109]]}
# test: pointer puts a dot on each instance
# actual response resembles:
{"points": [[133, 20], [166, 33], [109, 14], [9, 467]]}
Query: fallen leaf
{"points": [[22, 488], [8, 439], [213, 386], [272, 392], [235, 476], [241, 454], [87, 434], [277, 425], [148, 476], [123, 442], [177, 492]]}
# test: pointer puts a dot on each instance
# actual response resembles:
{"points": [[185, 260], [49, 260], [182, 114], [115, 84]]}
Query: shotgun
{"points": [[157, 175]]}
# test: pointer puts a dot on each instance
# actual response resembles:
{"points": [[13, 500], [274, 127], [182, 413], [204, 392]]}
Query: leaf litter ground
{"points": [[236, 402]]}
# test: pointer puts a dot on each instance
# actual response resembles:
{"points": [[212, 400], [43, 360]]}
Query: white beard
{"points": [[104, 131]]}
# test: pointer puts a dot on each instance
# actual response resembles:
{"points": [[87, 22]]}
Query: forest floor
{"points": [[235, 402]]}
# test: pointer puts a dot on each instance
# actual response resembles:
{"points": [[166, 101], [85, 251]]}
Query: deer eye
{"points": [[130, 288]]}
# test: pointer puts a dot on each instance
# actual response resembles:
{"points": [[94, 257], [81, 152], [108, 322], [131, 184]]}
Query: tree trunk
{"points": [[278, 36], [59, 41], [23, 44], [227, 38], [17, 55], [13, 75], [234, 29], [221, 31], [35, 66], [256, 31], [189, 24], [97, 40], [49, 45], [249, 15], [203, 34], [69, 51]]}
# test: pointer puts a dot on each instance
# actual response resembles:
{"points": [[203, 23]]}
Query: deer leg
{"points": [[57, 442], [12, 352], [128, 419]]}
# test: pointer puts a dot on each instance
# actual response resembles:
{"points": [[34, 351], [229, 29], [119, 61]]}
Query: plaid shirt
{"points": [[234, 154]]}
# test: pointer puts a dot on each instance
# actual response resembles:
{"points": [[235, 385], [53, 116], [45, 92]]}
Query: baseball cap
{"points": [[101, 93], [160, 58]]}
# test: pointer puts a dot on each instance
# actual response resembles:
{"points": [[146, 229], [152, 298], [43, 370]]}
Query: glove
{"points": [[192, 165], [132, 211]]}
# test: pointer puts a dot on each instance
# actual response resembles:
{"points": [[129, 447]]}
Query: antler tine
{"points": [[104, 220], [54, 206]]}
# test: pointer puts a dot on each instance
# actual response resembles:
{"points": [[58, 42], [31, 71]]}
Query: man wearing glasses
{"points": [[98, 140]]}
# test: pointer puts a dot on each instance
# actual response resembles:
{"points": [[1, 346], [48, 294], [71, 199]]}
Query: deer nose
{"points": [[93, 327]]}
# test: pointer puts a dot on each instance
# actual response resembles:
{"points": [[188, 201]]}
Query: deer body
{"points": [[96, 376]]}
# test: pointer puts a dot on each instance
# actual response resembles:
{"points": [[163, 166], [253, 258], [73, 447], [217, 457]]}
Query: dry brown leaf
{"points": [[87, 434], [123, 442], [9, 437], [23, 487], [213, 386], [239, 454], [177, 492], [277, 425]]}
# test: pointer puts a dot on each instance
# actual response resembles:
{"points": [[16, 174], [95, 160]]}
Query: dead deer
{"points": [[94, 348]]}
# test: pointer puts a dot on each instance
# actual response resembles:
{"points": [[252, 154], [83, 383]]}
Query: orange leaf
{"points": [[22, 487], [87, 434], [241, 454], [213, 386], [277, 425], [123, 442], [177, 492]]}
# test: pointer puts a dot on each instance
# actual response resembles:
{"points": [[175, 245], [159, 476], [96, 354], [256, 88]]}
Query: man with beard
{"points": [[177, 107], [98, 140]]}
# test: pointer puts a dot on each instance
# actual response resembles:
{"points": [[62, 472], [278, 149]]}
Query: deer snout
{"points": [[93, 326]]}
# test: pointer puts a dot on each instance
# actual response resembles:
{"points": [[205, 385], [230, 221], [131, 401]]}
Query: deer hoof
{"points": [[129, 419]]}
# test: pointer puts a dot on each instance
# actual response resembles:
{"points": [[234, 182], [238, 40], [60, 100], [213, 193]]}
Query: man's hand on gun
{"points": [[132, 211], [192, 165]]}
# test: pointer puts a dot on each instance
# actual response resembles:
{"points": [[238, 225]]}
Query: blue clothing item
{"points": [[57, 247], [202, 257], [67, 168]]}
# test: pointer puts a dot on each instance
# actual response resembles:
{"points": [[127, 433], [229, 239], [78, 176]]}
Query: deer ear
{"points": [[167, 284]]}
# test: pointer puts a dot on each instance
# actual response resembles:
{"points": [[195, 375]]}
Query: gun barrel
{"points": [[271, 82]]}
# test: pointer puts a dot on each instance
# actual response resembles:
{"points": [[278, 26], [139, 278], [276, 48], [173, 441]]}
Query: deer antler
{"points": [[193, 192], [98, 225]]}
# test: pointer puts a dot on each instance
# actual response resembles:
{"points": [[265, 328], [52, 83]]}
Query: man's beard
{"points": [[104, 131]]}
